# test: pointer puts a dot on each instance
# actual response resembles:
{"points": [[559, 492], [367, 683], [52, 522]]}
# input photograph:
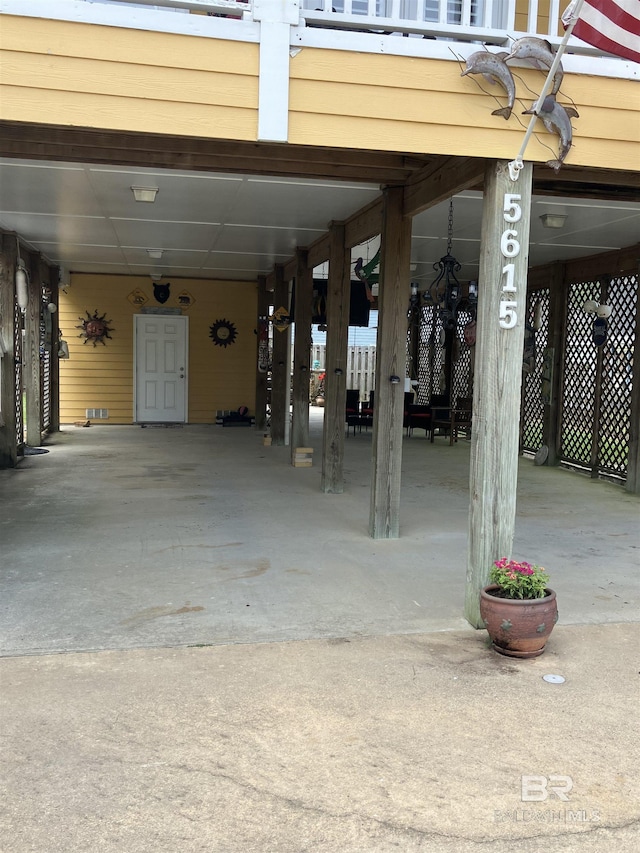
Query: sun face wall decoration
{"points": [[223, 333], [94, 328]]}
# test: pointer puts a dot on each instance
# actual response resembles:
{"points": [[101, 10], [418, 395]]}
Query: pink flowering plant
{"points": [[519, 580]]}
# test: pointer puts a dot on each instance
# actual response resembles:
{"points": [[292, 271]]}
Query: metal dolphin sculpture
{"points": [[493, 68]]}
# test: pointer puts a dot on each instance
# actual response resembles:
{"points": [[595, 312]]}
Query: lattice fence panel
{"points": [[45, 362], [430, 355], [17, 326], [538, 303], [462, 375], [579, 378], [614, 421]]}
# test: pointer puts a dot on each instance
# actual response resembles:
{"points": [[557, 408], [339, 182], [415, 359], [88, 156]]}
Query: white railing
{"points": [[233, 8], [429, 28]]}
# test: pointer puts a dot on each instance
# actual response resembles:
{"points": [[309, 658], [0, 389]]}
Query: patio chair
{"points": [[453, 420]]}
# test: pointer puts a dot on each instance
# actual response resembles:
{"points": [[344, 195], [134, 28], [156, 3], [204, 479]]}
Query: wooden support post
{"points": [[262, 349], [301, 352], [502, 294], [31, 367], [338, 301], [280, 380], [8, 445], [633, 461], [555, 347], [388, 411]]}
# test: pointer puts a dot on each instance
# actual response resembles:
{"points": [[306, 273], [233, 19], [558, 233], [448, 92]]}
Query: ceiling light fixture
{"points": [[156, 254], [553, 220], [147, 194]]}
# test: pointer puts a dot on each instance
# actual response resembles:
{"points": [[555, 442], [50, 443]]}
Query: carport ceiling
{"points": [[84, 218]]}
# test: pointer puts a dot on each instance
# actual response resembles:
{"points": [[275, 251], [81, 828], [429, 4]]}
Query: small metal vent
{"points": [[97, 414]]}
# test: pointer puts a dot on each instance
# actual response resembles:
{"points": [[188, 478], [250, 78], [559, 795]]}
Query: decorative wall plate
{"points": [[223, 333], [95, 328]]}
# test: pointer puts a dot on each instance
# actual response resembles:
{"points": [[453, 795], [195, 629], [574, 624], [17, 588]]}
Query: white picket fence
{"points": [[361, 367]]}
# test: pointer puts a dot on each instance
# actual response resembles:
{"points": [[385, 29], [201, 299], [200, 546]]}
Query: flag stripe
{"points": [[612, 26], [598, 39]]}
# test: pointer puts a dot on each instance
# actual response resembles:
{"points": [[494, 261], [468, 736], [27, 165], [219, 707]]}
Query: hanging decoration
{"points": [[446, 291], [281, 319], [161, 292], [137, 298], [185, 299], [366, 274], [95, 328], [223, 333], [263, 345]]}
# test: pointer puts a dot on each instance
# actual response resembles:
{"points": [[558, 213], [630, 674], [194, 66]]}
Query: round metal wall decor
{"points": [[223, 333], [95, 328]]}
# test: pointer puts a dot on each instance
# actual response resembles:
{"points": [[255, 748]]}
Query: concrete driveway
{"points": [[202, 652]]}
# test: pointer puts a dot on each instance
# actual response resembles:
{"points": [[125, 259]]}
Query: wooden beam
{"points": [[290, 268], [280, 376], [319, 251], [497, 376], [440, 181], [579, 182], [301, 353], [262, 347], [364, 224], [8, 446], [338, 301], [48, 142], [388, 411]]}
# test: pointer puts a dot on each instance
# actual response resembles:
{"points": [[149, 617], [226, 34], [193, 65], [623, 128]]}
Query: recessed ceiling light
{"points": [[147, 194], [156, 254]]}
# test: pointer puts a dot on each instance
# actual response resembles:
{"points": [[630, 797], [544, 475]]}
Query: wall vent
{"points": [[97, 414]]}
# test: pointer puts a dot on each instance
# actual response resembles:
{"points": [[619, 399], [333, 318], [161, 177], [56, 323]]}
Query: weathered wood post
{"points": [[262, 346], [338, 302], [281, 365], [388, 412], [8, 444], [301, 352], [502, 290]]}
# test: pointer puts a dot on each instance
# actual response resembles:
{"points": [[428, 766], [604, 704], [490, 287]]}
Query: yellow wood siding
{"points": [[59, 72], [102, 377], [397, 103]]}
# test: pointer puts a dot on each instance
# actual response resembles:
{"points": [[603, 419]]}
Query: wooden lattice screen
{"points": [[430, 354], [596, 393], [45, 362], [532, 414], [18, 348]]}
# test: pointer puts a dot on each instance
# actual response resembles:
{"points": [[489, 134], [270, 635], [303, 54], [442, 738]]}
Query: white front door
{"points": [[161, 368]]}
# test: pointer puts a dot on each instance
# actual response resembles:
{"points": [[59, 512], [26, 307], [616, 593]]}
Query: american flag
{"points": [[613, 26]]}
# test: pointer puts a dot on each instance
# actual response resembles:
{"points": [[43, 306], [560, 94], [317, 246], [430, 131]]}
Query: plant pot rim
{"points": [[488, 592]]}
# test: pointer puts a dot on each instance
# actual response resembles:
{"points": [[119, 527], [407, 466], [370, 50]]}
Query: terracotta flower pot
{"points": [[518, 628]]}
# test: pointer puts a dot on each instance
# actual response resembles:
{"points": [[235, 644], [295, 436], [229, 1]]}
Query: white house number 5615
{"points": [[510, 248]]}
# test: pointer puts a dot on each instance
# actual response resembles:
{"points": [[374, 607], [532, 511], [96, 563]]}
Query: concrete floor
{"points": [[123, 537], [202, 652]]}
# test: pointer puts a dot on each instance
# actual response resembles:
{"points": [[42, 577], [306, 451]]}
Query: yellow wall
{"points": [[59, 72], [396, 103], [65, 73], [102, 376]]}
